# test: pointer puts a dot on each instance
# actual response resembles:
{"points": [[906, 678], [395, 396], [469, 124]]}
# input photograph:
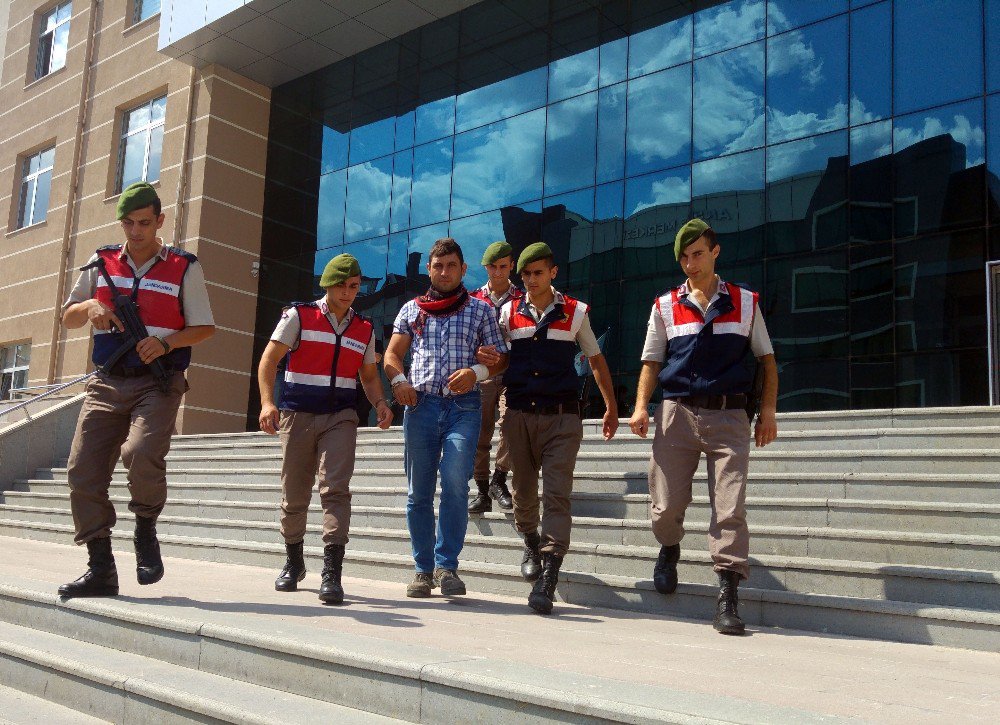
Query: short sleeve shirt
{"points": [[585, 337], [289, 328]]}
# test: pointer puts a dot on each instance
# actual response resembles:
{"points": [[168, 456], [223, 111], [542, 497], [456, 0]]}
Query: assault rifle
{"points": [[756, 392], [135, 330]]}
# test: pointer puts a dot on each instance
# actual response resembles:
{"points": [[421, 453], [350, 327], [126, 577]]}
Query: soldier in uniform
{"points": [[700, 334], [543, 426], [327, 345], [126, 411], [498, 260]]}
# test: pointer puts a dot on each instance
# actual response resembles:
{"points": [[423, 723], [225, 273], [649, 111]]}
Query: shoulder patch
{"points": [[181, 253], [110, 248]]}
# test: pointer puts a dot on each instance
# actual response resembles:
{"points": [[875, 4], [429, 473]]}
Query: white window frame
{"points": [[27, 214], [137, 6], [44, 33], [148, 131], [9, 366]]}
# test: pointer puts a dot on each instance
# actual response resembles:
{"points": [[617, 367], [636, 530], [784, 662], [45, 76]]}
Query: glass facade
{"points": [[851, 175]]}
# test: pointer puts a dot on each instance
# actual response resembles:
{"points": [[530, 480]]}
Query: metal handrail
{"points": [[63, 386]]}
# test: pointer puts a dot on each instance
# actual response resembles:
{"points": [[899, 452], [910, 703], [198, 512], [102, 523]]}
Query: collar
{"points": [[325, 309], [720, 288], [511, 291], [162, 253], [557, 299]]}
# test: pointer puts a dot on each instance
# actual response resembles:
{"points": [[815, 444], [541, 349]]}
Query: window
{"points": [[141, 143], [145, 9], [14, 367], [36, 179], [53, 37]]}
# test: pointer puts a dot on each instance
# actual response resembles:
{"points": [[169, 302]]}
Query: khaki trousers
{"points": [[494, 394], [317, 446], [127, 417], [549, 442], [682, 434]]}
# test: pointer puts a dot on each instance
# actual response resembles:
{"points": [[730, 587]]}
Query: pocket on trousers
{"points": [[469, 403]]}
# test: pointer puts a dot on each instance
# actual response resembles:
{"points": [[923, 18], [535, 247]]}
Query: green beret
{"points": [[532, 253], [339, 269], [497, 250], [136, 196], [688, 235]]}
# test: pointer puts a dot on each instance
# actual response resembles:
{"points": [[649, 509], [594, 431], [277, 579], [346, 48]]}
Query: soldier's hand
{"points": [[766, 429], [487, 355], [461, 381], [610, 424], [148, 349], [405, 394], [639, 422], [103, 317], [383, 415], [269, 419]]}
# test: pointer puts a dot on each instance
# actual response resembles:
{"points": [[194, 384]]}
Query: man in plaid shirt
{"points": [[442, 329]]}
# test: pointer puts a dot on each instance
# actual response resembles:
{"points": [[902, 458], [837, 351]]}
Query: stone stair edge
{"points": [[32, 709]]}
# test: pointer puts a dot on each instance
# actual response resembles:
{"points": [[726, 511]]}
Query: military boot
{"points": [[148, 564], [294, 571], [498, 490], [531, 564], [330, 591], [665, 571], [727, 618], [544, 592], [101, 577], [481, 503]]}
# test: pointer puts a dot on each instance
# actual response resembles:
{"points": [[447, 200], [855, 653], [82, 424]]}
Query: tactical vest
{"points": [[321, 374], [157, 294], [706, 355], [541, 370]]}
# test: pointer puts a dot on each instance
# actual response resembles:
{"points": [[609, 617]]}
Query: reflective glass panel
{"points": [[146, 9], [402, 176], [662, 189], [60, 44], [334, 150], [871, 182], [656, 206], [405, 126], [369, 192], [871, 64], [614, 61], [993, 162], [807, 81], [787, 14], [727, 25], [608, 205], [435, 120], [138, 118], [159, 109], [992, 46], [474, 234], [871, 299], [501, 100], [729, 102], [155, 153], [728, 193], [942, 378], [807, 194], [372, 256], [133, 158], [372, 140], [568, 230], [573, 75], [611, 133], [923, 78], [660, 47], [871, 142], [332, 198], [499, 164], [659, 121], [431, 188], [570, 144]]}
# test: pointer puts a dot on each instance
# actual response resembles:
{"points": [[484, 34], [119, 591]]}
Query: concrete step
{"points": [[960, 416], [892, 620], [101, 680], [20, 708], [187, 640], [930, 585], [262, 484]]}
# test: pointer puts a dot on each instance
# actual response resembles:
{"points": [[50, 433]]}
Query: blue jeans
{"points": [[440, 436]]}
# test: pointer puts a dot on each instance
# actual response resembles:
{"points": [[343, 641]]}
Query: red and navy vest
{"points": [[321, 374], [541, 370], [483, 293], [707, 355], [157, 294]]}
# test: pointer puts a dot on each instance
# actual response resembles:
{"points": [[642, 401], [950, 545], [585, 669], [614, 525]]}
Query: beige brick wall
{"points": [[215, 145]]}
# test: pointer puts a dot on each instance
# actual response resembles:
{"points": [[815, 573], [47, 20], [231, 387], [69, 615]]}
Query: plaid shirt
{"points": [[447, 344]]}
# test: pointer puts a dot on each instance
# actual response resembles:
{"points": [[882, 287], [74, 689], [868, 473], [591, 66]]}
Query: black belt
{"points": [[715, 402], [557, 409], [120, 371]]}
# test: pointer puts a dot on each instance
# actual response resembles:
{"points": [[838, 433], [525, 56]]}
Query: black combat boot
{"points": [[101, 577], [294, 571], [498, 490], [665, 571], [148, 564], [727, 618], [544, 591], [331, 592], [481, 503], [531, 564]]}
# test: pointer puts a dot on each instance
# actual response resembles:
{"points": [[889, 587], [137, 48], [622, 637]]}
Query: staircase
{"points": [[881, 524]]}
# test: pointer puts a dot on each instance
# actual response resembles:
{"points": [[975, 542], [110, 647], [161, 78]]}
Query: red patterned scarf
{"points": [[439, 304]]}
